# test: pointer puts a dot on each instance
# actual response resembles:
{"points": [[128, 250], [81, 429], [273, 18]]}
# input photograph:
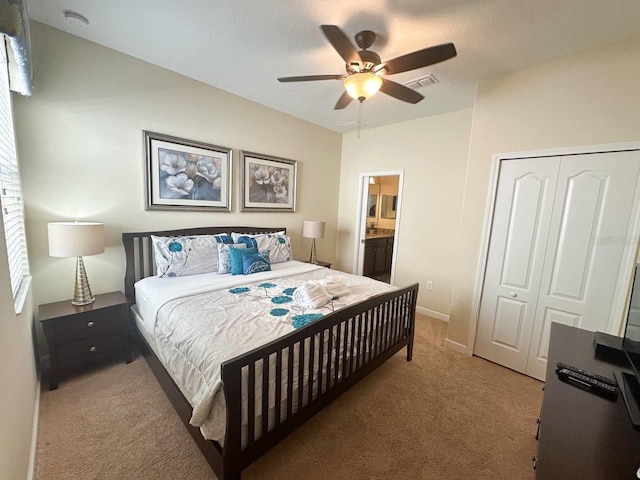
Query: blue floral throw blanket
{"points": [[194, 334]]}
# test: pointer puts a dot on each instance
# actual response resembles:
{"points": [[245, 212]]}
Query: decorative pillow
{"points": [[224, 259], [236, 235], [224, 238], [189, 255], [278, 245], [236, 255], [255, 262]]}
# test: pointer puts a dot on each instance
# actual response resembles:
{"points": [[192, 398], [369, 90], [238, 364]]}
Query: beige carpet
{"points": [[441, 416]]}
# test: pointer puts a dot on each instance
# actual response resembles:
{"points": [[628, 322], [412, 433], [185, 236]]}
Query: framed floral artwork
{"points": [[267, 184], [185, 174]]}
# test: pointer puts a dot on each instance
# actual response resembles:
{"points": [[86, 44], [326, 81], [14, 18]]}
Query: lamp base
{"points": [[82, 291], [314, 258]]}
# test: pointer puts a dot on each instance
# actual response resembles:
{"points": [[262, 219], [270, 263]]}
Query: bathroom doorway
{"points": [[378, 222]]}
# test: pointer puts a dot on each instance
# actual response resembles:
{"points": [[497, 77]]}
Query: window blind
{"points": [[10, 191]]}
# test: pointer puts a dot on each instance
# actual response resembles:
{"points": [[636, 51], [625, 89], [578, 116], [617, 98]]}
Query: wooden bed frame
{"points": [[372, 331]]}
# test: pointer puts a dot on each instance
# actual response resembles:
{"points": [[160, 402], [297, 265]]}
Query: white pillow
{"points": [[188, 255], [236, 235], [279, 245]]}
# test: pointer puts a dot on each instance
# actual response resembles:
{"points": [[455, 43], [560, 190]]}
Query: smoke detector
{"points": [[75, 19]]}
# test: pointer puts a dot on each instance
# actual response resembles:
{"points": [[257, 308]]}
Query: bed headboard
{"points": [[139, 250]]}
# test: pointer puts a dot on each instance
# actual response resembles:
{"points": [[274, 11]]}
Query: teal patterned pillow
{"points": [[224, 257], [236, 255], [255, 262], [279, 245]]}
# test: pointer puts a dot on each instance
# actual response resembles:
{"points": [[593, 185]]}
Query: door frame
{"points": [[361, 219], [621, 298]]}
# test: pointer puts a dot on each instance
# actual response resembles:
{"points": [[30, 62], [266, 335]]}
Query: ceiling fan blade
{"points": [[341, 43], [421, 58], [344, 100], [400, 92], [310, 78]]}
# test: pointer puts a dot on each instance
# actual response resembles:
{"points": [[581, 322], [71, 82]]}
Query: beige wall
{"points": [[586, 99], [81, 154], [17, 376], [433, 153]]}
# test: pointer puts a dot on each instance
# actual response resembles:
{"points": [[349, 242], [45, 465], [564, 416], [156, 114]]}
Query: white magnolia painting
{"points": [[269, 183], [186, 175]]}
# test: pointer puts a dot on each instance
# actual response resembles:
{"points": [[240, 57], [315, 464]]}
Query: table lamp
{"points": [[313, 229], [77, 239]]}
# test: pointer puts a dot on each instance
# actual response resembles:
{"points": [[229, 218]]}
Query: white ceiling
{"points": [[243, 46]]}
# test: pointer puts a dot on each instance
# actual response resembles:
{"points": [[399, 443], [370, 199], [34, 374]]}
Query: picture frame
{"points": [[183, 174], [267, 183]]}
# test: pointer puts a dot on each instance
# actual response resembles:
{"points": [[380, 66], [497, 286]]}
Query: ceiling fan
{"points": [[364, 68]]}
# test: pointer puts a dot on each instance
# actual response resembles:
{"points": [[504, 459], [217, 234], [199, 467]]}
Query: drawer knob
{"points": [[90, 324], [92, 349]]}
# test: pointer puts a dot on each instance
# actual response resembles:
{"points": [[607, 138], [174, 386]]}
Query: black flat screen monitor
{"points": [[629, 384]]}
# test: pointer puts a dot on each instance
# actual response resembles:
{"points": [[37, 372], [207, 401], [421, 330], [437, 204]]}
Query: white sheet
{"points": [[198, 322]]}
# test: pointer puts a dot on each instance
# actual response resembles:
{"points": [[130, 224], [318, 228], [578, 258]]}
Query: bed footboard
{"points": [[307, 369]]}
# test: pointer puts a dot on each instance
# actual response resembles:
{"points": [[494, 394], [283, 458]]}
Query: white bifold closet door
{"points": [[557, 240]]}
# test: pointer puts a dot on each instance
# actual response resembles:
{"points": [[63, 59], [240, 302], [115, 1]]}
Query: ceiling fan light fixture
{"points": [[362, 86]]}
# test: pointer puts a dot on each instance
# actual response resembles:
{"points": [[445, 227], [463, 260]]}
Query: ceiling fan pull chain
{"points": [[359, 118]]}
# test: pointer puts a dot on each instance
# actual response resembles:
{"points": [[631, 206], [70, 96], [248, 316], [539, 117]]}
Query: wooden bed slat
{"points": [[387, 327], [379, 330], [362, 358], [336, 364], [265, 395], [251, 399], [355, 320], [321, 362], [361, 322], [345, 344], [312, 373], [278, 398], [290, 381], [301, 365], [150, 261], [328, 371]]}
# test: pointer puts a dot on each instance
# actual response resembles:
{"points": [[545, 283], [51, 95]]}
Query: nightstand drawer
{"points": [[77, 354], [90, 323]]}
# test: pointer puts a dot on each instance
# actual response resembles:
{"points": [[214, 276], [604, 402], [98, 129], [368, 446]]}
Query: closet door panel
{"points": [[587, 236], [519, 234]]}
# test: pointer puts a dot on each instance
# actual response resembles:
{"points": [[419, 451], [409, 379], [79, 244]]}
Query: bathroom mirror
{"points": [[371, 205], [388, 206]]}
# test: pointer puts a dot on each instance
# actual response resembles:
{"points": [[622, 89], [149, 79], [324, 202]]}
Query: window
{"points": [[10, 191]]}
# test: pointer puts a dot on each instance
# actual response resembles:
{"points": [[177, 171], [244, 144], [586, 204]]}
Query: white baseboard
{"points": [[31, 472], [433, 314], [455, 346]]}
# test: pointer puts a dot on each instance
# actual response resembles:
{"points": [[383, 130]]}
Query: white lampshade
{"points": [[75, 239], [313, 229], [362, 85]]}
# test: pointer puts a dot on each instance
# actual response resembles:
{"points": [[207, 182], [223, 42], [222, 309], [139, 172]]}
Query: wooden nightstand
{"points": [[322, 264], [79, 336]]}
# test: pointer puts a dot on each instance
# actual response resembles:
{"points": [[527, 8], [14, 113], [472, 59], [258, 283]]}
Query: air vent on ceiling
{"points": [[422, 82]]}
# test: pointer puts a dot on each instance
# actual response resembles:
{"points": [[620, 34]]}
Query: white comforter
{"points": [[198, 323]]}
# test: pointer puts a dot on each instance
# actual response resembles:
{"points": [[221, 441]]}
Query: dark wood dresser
{"points": [[583, 436], [79, 336]]}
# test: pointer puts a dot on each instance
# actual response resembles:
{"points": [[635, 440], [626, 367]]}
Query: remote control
{"points": [[588, 383], [600, 378]]}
